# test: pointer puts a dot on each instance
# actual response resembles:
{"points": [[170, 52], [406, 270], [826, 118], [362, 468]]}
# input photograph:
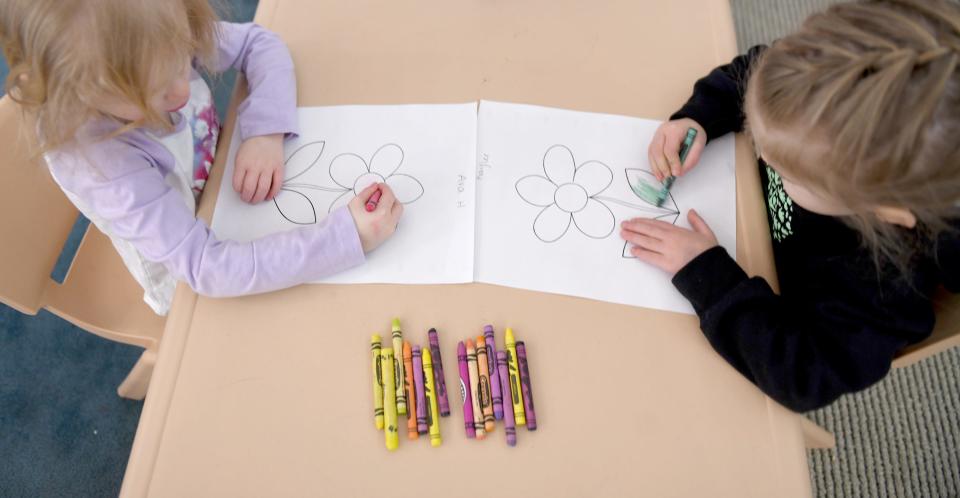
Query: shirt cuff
{"points": [[345, 231], [708, 278]]}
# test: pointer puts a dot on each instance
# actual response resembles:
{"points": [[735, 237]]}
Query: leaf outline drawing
{"points": [[658, 213]]}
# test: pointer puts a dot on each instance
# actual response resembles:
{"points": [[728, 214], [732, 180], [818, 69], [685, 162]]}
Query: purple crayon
{"points": [[504, 375], [465, 391], [438, 373], [423, 426], [497, 394], [525, 387]]}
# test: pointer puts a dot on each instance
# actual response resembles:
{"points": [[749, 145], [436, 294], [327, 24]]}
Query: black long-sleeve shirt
{"points": [[839, 320]]}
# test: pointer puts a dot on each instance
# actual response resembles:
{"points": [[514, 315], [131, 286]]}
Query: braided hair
{"points": [[864, 104]]}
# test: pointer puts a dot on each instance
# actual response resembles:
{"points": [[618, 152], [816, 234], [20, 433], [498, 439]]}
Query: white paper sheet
{"points": [[572, 167], [515, 195], [427, 153]]}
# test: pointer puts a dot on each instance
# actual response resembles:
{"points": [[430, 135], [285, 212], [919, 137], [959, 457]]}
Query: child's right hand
{"points": [[377, 226], [664, 151]]}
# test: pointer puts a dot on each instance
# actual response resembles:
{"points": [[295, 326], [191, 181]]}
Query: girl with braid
{"points": [[856, 123]]}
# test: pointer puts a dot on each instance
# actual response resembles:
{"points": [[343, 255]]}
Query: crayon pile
{"points": [[409, 382], [495, 385]]}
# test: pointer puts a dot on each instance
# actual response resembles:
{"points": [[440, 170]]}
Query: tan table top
{"points": [[270, 395]]}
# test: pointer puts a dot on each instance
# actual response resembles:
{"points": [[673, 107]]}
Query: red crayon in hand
{"points": [[373, 200]]}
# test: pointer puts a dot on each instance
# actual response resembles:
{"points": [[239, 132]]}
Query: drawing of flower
{"points": [[350, 174], [568, 195]]}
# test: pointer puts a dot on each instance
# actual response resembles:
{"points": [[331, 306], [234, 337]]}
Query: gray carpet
{"points": [[901, 437]]}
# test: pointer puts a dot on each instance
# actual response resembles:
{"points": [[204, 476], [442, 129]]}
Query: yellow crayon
{"points": [[486, 400], [398, 372], [474, 375], [515, 396], [390, 430], [377, 382], [432, 410]]}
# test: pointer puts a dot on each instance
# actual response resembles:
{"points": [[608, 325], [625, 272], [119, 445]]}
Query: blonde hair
{"points": [[63, 53], [862, 105]]}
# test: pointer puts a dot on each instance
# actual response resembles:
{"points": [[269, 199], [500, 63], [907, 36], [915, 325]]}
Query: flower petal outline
{"points": [[559, 165], [536, 190], [386, 160], [551, 224], [594, 177], [595, 220], [406, 188], [346, 168]]}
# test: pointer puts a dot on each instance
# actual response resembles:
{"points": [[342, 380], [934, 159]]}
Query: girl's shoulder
{"points": [[101, 152]]}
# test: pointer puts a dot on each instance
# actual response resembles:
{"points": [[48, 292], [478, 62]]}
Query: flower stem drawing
{"points": [[350, 174], [572, 195]]}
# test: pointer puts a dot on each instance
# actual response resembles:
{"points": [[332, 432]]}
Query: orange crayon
{"points": [[486, 401], [475, 387], [408, 385]]}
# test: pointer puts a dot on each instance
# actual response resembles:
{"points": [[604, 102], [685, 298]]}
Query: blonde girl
{"points": [[129, 132]]}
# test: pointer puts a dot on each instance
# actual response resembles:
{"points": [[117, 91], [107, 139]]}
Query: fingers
{"points": [[698, 225], [387, 198], [653, 228], [238, 174], [277, 183], [671, 151], [659, 164], [643, 240], [649, 257], [263, 188], [367, 192], [250, 181], [396, 212], [693, 157]]}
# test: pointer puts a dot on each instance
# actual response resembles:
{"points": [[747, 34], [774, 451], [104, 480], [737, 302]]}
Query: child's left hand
{"points": [[668, 246], [258, 172]]}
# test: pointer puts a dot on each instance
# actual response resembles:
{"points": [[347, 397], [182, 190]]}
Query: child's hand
{"points": [[258, 172], [664, 150], [667, 246], [375, 227]]}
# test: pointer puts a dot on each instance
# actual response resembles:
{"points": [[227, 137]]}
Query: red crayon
{"points": [[373, 200]]}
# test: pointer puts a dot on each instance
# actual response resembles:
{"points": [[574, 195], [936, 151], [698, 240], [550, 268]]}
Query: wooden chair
{"points": [[98, 294], [946, 334]]}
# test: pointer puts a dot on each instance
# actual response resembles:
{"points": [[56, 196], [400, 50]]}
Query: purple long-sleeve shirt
{"points": [[127, 186]]}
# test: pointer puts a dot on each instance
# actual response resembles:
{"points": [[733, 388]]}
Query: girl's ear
{"points": [[896, 216]]}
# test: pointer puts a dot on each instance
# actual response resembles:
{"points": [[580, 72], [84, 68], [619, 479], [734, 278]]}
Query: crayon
{"points": [[529, 412], [422, 426], [504, 373], [515, 396], [465, 394], [377, 381], [410, 390], [431, 394], [374, 199], [398, 347], [390, 429], [475, 388], [496, 394], [483, 368], [438, 373]]}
